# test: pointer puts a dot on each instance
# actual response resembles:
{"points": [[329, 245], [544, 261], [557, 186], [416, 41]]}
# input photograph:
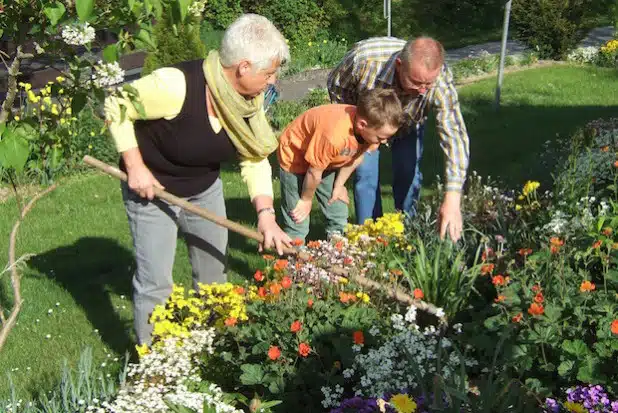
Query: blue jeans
{"points": [[407, 149]]}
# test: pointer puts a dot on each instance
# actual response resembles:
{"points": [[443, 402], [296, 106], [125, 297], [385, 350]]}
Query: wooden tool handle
{"points": [[188, 206]]}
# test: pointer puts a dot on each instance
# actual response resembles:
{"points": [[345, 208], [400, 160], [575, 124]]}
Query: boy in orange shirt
{"points": [[321, 148]]}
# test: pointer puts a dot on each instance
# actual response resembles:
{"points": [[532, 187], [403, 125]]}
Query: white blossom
{"points": [[78, 34], [107, 74]]}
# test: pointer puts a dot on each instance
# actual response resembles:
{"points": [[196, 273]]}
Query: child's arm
{"points": [[340, 192], [313, 177]]}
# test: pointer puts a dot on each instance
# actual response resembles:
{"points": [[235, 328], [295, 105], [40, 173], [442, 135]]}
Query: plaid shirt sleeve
{"points": [[451, 130], [342, 82]]}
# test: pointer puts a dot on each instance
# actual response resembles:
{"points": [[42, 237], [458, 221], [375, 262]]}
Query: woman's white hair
{"points": [[254, 38]]}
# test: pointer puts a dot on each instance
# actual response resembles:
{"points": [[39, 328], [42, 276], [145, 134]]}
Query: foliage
{"points": [[284, 112], [219, 14], [551, 27], [185, 45], [87, 387], [320, 53]]}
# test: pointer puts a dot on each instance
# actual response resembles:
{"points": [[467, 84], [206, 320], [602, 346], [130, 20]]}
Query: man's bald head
{"points": [[425, 51]]}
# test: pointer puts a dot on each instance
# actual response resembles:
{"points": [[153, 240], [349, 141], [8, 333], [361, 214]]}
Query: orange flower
{"points": [[587, 286], [345, 297], [538, 298], [418, 294], [298, 266], [229, 322], [500, 299], [304, 349], [358, 337], [517, 318], [239, 290], [268, 257], [487, 269], [555, 244], [597, 244], [275, 288], [607, 231], [286, 282], [524, 252], [348, 260], [280, 265], [313, 244], [605, 148], [310, 303], [615, 245], [298, 242], [615, 327], [339, 245], [487, 253], [262, 292], [382, 241], [295, 327], [274, 353], [536, 309], [616, 164], [396, 272], [498, 280], [259, 276], [536, 288]]}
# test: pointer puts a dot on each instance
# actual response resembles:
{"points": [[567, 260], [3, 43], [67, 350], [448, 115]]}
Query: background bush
{"points": [[174, 49]]}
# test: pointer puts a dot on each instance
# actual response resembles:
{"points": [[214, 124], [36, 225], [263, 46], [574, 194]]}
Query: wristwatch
{"points": [[270, 210]]}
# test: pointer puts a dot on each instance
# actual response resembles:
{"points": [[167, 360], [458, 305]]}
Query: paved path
{"points": [[297, 86]]}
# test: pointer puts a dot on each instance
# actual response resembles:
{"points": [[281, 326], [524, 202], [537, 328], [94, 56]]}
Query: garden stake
{"points": [[395, 293]]}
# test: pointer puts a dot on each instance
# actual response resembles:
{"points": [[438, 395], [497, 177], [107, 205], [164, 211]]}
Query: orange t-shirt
{"points": [[322, 138]]}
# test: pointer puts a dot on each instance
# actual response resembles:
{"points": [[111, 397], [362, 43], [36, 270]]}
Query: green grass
{"points": [[83, 246]]}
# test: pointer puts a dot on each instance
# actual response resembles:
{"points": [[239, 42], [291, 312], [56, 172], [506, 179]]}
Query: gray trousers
{"points": [[154, 226]]}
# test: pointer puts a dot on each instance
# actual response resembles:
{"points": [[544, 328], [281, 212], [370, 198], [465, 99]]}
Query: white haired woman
{"points": [[198, 114]]}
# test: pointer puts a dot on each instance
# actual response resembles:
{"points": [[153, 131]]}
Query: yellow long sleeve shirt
{"points": [[162, 94]]}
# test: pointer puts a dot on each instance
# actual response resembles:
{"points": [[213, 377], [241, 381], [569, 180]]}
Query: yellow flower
{"points": [[310, 44], [92, 134], [62, 121], [43, 107], [362, 296], [324, 41], [16, 118], [54, 110], [142, 350], [89, 146], [68, 111], [60, 79], [343, 280], [61, 91], [403, 403], [517, 207], [575, 407], [32, 97], [530, 187]]}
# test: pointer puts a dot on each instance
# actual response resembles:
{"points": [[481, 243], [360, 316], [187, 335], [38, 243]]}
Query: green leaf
{"points": [[54, 12], [183, 7], [565, 367], [589, 371], [260, 348], [144, 36], [252, 374], [494, 323], [575, 347], [14, 151], [78, 103], [84, 9], [110, 53], [2, 128], [1, 32], [276, 386], [552, 313]]}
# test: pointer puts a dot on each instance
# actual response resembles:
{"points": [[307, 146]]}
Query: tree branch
{"points": [[15, 280], [12, 84]]}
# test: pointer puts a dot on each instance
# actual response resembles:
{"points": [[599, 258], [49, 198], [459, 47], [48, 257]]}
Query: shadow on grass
{"points": [[91, 269]]}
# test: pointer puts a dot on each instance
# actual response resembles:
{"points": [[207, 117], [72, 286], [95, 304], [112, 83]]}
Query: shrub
{"points": [[552, 27], [221, 13], [300, 21], [174, 49]]}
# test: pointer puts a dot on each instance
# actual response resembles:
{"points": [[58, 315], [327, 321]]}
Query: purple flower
{"points": [[552, 406]]}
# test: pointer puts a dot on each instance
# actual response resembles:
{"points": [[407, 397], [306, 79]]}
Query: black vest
{"points": [[185, 153]]}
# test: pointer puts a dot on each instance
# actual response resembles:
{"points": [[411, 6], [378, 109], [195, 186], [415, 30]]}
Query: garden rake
{"points": [[395, 293]]}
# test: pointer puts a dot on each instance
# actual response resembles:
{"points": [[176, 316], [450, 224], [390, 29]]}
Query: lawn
{"points": [[83, 264]]}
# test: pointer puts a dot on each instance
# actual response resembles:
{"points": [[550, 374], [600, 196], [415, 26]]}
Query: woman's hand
{"points": [[273, 234], [141, 181]]}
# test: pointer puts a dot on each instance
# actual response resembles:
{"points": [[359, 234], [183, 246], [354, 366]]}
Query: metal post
{"points": [[387, 15], [505, 35]]}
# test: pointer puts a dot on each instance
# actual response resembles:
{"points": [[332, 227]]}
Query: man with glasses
{"points": [[417, 72]]}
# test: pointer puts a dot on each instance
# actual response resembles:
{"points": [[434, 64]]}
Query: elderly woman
{"points": [[198, 114]]}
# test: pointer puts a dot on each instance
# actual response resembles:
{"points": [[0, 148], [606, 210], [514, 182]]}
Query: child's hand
{"points": [[340, 193], [301, 211]]}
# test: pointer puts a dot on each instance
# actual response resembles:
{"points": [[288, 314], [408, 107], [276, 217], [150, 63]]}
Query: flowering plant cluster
{"points": [[583, 399]]}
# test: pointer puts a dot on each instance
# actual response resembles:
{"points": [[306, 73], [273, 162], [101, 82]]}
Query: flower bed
{"points": [[523, 314]]}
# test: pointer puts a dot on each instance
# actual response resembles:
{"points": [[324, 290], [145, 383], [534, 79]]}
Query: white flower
{"points": [[78, 34], [440, 313], [197, 8], [107, 74]]}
